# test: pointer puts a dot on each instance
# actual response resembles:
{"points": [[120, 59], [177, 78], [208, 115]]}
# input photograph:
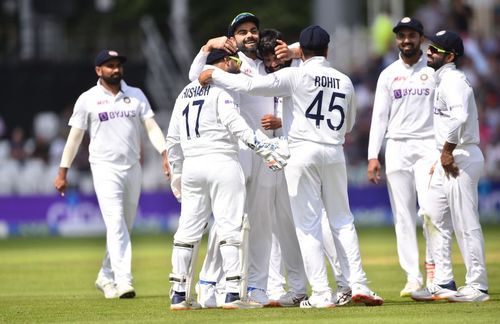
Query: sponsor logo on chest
{"points": [[118, 112]]}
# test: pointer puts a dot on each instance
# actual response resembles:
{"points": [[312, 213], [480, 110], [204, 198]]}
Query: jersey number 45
{"points": [[317, 104]]}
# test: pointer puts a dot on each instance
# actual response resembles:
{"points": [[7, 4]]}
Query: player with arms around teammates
{"points": [[402, 113], [285, 251], [316, 173], [114, 114], [202, 145], [243, 34]]}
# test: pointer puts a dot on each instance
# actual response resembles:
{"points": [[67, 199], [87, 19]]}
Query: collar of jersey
{"points": [[316, 60], [442, 70]]}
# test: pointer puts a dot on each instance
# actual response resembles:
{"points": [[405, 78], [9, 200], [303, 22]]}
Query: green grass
{"points": [[51, 280]]}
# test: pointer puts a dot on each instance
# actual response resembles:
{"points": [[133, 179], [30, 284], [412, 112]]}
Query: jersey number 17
{"points": [[185, 113]]}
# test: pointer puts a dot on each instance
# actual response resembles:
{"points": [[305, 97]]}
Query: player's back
{"points": [[196, 114], [323, 104]]}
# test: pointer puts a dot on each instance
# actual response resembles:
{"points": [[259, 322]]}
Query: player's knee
{"points": [[184, 244], [230, 242], [177, 278]]}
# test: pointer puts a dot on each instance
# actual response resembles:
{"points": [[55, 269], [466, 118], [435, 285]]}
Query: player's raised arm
{"points": [[222, 42], [279, 84], [73, 142]]}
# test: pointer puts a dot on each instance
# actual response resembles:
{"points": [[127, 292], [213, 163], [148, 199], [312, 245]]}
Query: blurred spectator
{"points": [[431, 14], [381, 31], [18, 144], [492, 153]]}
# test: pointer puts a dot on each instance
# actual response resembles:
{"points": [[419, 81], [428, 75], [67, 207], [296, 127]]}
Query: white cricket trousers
{"points": [[331, 252], [118, 196], [316, 177], [260, 207], [454, 206], [408, 163], [211, 183], [285, 252]]}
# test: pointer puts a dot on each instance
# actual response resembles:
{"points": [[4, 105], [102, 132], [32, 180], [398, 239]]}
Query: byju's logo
{"points": [[400, 93], [103, 116]]}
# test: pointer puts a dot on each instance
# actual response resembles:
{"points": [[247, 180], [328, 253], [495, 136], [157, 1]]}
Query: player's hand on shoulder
{"points": [[205, 77]]}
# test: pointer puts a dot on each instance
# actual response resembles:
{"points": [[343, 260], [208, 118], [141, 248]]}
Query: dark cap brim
{"points": [[122, 59]]}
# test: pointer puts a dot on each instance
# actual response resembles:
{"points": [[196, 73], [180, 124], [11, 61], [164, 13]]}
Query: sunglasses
{"points": [[236, 59], [434, 49]]}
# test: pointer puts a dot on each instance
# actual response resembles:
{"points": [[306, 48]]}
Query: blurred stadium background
{"points": [[46, 60]]}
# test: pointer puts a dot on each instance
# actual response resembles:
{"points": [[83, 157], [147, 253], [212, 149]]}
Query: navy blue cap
{"points": [[241, 18], [449, 41], [314, 38], [217, 54], [411, 23], [106, 55]]}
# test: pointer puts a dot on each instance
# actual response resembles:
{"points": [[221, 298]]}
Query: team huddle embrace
{"points": [[256, 141]]}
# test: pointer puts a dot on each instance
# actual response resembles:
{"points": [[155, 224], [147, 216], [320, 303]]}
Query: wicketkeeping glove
{"points": [[274, 151]]}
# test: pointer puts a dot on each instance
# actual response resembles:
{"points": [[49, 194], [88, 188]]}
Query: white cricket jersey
{"points": [[318, 101], [402, 108], [205, 120], [455, 111], [253, 108], [114, 124]]}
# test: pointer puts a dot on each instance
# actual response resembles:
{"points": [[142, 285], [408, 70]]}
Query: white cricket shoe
{"points": [[435, 292], [291, 299], [362, 294], [258, 295], [125, 290], [233, 301], [274, 297], [469, 294], [107, 287], [206, 294], [323, 299], [409, 288], [343, 295]]}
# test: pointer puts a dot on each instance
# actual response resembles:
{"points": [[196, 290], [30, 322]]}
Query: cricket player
{"points": [[114, 114], [318, 110], [204, 131], [402, 113], [453, 197], [285, 249], [260, 181]]}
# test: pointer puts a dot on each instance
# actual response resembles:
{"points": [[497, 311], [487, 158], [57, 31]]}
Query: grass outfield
{"points": [[51, 280]]}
